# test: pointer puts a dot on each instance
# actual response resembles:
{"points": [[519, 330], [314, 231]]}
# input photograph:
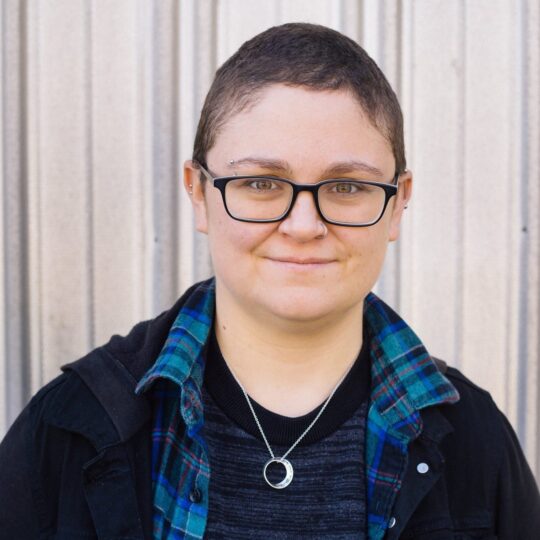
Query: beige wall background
{"points": [[98, 105]]}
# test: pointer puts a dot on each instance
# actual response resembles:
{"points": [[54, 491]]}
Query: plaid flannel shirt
{"points": [[404, 381]]}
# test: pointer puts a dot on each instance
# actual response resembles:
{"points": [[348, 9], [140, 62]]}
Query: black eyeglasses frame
{"points": [[220, 182]]}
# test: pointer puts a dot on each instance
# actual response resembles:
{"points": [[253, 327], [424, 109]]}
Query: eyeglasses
{"points": [[267, 199]]}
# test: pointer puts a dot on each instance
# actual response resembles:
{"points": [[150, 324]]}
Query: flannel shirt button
{"points": [[195, 496], [422, 468], [392, 522]]}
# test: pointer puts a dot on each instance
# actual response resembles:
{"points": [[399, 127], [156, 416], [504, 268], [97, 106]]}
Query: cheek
{"points": [[223, 232], [367, 250], [229, 239]]}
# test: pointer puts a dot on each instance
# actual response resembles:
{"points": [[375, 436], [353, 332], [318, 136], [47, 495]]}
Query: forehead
{"points": [[297, 124]]}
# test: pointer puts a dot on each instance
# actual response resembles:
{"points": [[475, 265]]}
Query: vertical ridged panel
{"points": [[431, 244], [65, 182], [314, 11], [36, 322], [189, 55], [197, 42], [381, 27], [238, 21], [114, 224], [492, 222], [529, 422], [205, 66], [164, 180], [15, 369], [4, 372], [144, 232]]}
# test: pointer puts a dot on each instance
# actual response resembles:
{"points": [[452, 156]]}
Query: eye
{"points": [[261, 184], [345, 188]]}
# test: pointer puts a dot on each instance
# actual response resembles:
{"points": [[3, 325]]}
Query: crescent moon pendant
{"points": [[289, 472]]}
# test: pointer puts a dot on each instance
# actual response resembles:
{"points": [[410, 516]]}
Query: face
{"points": [[299, 269]]}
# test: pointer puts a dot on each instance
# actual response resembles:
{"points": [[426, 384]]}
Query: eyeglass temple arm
{"points": [[208, 176]]}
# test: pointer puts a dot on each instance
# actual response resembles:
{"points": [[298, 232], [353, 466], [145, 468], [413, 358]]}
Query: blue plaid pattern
{"points": [[180, 465], [404, 381]]}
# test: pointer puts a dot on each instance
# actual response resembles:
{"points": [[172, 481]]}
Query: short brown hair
{"points": [[300, 54]]}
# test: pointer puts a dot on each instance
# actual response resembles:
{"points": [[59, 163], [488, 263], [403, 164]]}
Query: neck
{"points": [[288, 367]]}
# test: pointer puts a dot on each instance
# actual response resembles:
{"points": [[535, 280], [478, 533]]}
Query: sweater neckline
{"points": [[283, 430]]}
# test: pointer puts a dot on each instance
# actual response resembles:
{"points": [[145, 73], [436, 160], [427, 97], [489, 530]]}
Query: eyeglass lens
{"points": [[266, 199]]}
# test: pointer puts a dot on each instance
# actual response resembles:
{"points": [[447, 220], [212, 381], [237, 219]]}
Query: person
{"points": [[281, 398]]}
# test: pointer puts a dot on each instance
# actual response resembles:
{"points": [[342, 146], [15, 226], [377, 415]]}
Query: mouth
{"points": [[298, 260], [301, 263]]}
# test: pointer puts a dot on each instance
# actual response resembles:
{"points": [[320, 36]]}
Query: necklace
{"points": [[289, 471]]}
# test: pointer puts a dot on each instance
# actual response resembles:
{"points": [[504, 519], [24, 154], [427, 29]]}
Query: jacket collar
{"points": [[117, 413]]}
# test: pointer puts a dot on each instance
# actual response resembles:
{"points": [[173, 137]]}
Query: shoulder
{"points": [[470, 393], [92, 397], [64, 405], [481, 431], [98, 390], [475, 408], [483, 452]]}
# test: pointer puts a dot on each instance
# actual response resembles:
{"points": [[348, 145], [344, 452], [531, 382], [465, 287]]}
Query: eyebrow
{"points": [[352, 165], [277, 165], [334, 169]]}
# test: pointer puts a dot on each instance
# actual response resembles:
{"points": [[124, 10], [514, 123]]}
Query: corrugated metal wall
{"points": [[99, 102]]}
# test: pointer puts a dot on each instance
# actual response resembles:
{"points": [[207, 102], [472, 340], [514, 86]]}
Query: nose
{"points": [[304, 221]]}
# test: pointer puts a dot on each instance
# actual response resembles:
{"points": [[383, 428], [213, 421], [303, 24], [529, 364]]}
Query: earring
{"points": [[191, 189]]}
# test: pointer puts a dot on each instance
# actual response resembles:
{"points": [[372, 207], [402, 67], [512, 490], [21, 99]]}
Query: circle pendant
{"points": [[289, 473]]}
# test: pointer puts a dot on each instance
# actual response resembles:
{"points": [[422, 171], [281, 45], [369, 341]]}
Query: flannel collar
{"points": [[404, 377], [182, 358]]}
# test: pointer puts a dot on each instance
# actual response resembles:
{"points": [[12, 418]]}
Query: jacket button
{"points": [[392, 522], [195, 496], [422, 468]]}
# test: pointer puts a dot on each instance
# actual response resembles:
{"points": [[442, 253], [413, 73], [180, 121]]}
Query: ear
{"points": [[195, 190], [401, 200]]}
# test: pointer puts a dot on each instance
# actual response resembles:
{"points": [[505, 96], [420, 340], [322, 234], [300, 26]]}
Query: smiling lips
{"points": [[302, 262]]}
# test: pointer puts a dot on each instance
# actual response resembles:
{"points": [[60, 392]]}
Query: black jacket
{"points": [[77, 462]]}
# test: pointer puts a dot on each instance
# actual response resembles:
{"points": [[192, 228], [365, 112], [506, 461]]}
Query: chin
{"points": [[304, 305]]}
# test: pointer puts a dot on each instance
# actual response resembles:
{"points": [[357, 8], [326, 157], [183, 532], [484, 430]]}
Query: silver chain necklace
{"points": [[289, 471]]}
